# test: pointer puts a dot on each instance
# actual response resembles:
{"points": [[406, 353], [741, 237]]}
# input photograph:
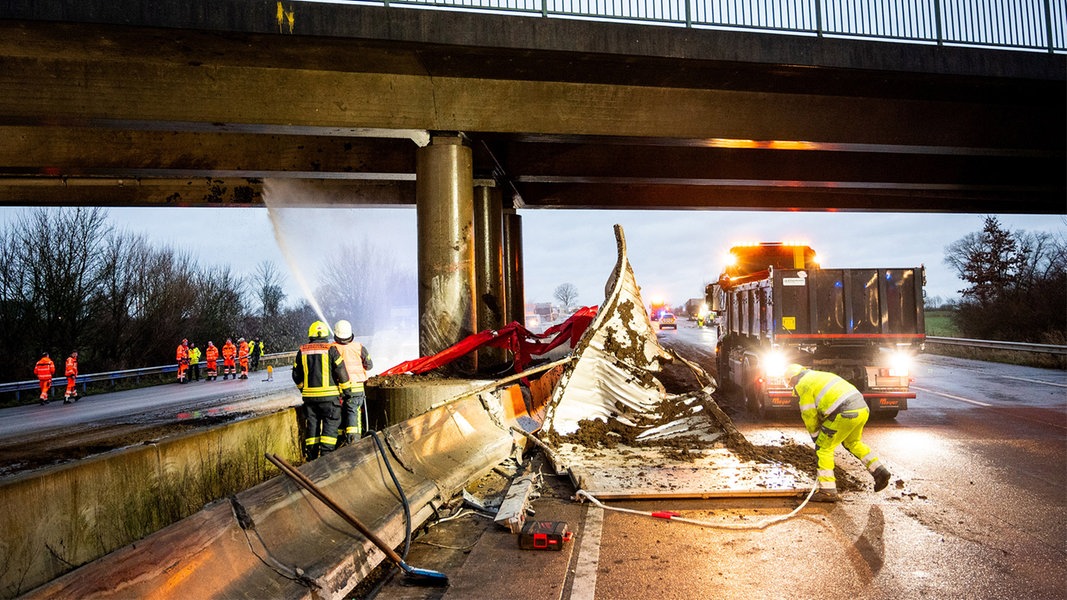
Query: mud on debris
{"points": [[682, 383]]}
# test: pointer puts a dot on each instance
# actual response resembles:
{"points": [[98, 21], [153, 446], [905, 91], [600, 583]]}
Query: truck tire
{"points": [[754, 400]]}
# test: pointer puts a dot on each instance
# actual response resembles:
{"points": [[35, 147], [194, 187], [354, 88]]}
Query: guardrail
{"points": [[1009, 24], [995, 345], [114, 376]]}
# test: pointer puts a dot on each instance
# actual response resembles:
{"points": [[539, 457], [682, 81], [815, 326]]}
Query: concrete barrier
{"points": [[64, 516], [275, 540]]}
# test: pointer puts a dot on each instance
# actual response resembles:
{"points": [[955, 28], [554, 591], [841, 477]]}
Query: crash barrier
{"points": [[276, 541], [983, 23], [1046, 356], [113, 377], [995, 345], [60, 517]]}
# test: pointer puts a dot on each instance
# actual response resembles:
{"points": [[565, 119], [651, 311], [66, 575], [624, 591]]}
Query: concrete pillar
{"points": [[514, 289], [489, 266], [444, 191]]}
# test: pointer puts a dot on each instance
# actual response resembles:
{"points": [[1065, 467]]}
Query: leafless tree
{"points": [[566, 293]]}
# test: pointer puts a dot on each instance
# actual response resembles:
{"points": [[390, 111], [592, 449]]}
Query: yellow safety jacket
{"points": [[319, 371], [823, 396]]}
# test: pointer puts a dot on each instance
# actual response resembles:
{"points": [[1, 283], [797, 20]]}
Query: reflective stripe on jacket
{"points": [[821, 394], [71, 367], [319, 371], [45, 368]]}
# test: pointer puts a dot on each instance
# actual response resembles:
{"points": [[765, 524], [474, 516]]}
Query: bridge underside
{"points": [[120, 115]]}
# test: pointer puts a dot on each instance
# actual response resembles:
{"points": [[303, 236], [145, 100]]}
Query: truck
{"points": [[774, 305]]}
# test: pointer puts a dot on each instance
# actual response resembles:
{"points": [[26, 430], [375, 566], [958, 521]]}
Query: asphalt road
{"points": [[40, 435], [976, 509]]}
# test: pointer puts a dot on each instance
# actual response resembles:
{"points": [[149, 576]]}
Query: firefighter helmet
{"points": [[318, 329], [792, 371], [342, 331]]}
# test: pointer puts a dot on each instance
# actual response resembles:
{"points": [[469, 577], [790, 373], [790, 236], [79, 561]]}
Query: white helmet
{"points": [[342, 331]]}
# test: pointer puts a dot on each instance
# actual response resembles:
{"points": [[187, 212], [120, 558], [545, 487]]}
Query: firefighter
{"points": [[211, 355], [44, 369], [319, 373], [71, 371], [228, 352], [834, 413], [194, 363], [242, 357], [358, 362], [182, 355]]}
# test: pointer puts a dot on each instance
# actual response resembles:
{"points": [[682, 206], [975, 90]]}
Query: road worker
{"points": [[242, 357], [182, 355], [71, 371], [44, 369], [320, 374], [358, 362], [211, 355], [255, 351], [834, 413], [194, 363], [229, 351]]}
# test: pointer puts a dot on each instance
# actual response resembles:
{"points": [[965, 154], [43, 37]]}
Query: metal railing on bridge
{"points": [[1010, 24], [113, 377]]}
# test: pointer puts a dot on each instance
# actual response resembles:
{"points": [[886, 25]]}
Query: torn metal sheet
{"points": [[652, 444]]}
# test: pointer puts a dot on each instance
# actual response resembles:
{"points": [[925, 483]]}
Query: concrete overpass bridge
{"points": [[469, 115]]}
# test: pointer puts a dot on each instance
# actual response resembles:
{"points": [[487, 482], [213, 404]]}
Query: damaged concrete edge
{"points": [[283, 543]]}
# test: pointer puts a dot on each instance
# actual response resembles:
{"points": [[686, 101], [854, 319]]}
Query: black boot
{"points": [[881, 478]]}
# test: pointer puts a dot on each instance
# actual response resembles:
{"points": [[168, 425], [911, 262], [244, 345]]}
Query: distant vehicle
{"points": [[668, 321], [656, 309]]}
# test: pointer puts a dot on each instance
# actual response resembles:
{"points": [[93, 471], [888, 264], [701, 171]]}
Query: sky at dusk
{"points": [[673, 253]]}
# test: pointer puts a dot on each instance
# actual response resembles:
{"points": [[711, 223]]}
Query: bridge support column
{"points": [[514, 291], [444, 190], [489, 266]]}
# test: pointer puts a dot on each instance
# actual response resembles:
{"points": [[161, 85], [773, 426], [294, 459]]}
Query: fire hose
{"points": [[674, 516]]}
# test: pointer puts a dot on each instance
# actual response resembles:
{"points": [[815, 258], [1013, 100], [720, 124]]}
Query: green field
{"points": [[939, 324]]}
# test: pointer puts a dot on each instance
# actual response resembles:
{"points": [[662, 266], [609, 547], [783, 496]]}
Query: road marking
{"points": [[967, 400], [1036, 381], [584, 585]]}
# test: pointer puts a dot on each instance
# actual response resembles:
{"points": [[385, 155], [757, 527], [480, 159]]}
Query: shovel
{"points": [[414, 575]]}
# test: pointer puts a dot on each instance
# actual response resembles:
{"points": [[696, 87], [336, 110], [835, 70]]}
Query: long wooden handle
{"points": [[308, 485]]}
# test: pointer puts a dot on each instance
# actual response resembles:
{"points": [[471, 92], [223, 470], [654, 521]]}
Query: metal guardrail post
{"points": [[937, 23], [544, 8], [689, 14], [1048, 27], [818, 18]]}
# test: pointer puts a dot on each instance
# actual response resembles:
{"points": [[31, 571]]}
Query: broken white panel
{"points": [[615, 360]]}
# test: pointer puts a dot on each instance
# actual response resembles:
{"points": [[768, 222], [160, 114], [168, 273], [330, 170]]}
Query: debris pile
{"points": [[615, 428]]}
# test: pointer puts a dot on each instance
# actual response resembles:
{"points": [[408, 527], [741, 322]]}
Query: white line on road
{"points": [[967, 400], [1036, 381], [584, 585]]}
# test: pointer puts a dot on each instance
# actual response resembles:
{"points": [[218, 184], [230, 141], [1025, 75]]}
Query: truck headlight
{"points": [[774, 365], [899, 364]]}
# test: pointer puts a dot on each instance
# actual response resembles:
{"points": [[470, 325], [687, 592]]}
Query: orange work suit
{"points": [[71, 371], [228, 352], [242, 358], [182, 355], [44, 369], [211, 355]]}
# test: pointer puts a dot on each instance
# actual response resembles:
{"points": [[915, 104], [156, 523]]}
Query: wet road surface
{"points": [[977, 508]]}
